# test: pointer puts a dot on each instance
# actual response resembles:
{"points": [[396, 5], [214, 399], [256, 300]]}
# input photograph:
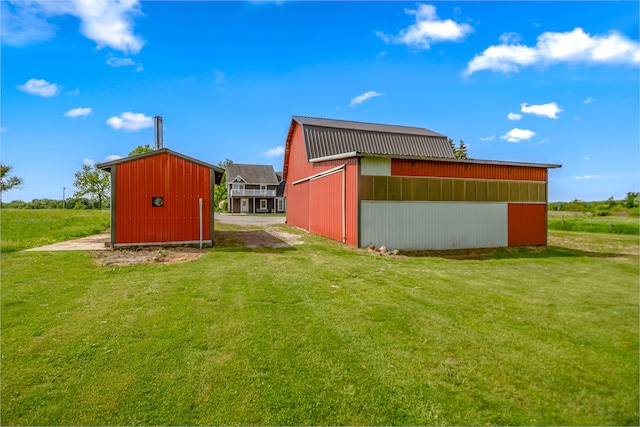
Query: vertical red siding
{"points": [[310, 213], [404, 167], [180, 182], [527, 224], [325, 206]]}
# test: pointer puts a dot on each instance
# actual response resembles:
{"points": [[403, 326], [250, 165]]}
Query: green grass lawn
{"points": [[22, 228], [320, 334], [575, 221]]}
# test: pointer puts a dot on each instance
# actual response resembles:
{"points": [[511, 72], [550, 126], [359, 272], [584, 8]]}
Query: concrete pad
{"points": [[90, 243]]}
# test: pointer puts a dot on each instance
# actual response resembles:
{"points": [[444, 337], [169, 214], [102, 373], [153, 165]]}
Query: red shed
{"points": [[161, 197], [401, 187]]}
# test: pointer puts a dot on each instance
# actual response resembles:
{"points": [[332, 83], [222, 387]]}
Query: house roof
{"points": [[326, 138], [107, 165], [252, 174]]}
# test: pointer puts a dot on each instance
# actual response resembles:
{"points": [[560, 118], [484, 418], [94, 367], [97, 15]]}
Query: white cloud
{"points": [[361, 98], [115, 62], [111, 158], [73, 92], [428, 29], [130, 121], [219, 76], [88, 162], [545, 110], [274, 152], [517, 135], [587, 177], [487, 138], [589, 100], [586, 158], [575, 46], [514, 116], [107, 22], [509, 38], [40, 87], [21, 24], [78, 112]]}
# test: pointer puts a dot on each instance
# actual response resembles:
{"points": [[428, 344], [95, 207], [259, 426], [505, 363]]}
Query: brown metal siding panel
{"points": [[444, 169], [527, 224]]}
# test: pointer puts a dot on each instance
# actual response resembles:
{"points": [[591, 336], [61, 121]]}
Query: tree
{"points": [[140, 150], [92, 181], [7, 182], [632, 200], [459, 152], [220, 192]]}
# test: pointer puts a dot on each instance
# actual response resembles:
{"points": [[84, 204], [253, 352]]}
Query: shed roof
{"points": [[107, 165], [252, 174]]}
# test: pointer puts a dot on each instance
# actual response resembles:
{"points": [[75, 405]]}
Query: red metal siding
{"points": [[181, 183], [443, 169], [527, 224], [307, 201], [325, 206]]}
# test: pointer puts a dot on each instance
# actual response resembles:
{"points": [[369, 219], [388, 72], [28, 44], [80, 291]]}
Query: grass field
{"points": [[320, 334], [22, 229], [569, 221]]}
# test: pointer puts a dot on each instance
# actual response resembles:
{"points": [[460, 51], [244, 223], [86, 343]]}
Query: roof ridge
{"points": [[362, 126]]}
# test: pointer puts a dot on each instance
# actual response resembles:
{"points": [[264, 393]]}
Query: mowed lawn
{"points": [[321, 334]]}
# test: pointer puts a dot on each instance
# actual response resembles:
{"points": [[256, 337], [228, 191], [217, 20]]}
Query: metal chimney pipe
{"points": [[157, 124]]}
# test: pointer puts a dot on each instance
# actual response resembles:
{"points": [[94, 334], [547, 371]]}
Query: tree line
{"points": [[629, 205]]}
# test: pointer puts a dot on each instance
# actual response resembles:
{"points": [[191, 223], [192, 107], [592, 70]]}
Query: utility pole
{"points": [[64, 203]]}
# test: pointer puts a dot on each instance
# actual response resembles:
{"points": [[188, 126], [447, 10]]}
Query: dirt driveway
{"points": [[242, 219]]}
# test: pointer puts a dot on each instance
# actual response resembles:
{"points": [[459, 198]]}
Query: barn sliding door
{"points": [[326, 206]]}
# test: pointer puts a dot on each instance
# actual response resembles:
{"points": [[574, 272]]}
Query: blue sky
{"points": [[543, 82]]}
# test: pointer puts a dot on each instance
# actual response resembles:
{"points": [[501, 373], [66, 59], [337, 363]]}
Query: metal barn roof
{"points": [[106, 166], [252, 174], [327, 138]]}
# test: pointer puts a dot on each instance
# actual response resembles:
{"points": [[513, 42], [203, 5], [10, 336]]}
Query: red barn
{"points": [[401, 187], [161, 197]]}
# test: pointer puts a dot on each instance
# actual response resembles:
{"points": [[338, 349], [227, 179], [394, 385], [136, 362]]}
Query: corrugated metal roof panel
{"points": [[324, 141], [371, 127]]}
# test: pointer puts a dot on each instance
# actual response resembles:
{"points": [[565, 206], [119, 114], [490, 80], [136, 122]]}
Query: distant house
{"points": [[401, 187], [254, 189]]}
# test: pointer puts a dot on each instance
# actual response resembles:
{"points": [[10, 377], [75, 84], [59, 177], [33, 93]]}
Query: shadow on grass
{"points": [[250, 241], [512, 253]]}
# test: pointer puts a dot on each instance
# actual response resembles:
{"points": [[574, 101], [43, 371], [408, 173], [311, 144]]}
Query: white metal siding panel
{"points": [[377, 166], [434, 225]]}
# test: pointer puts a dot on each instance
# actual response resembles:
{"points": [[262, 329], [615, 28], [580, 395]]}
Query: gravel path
{"points": [[241, 219]]}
